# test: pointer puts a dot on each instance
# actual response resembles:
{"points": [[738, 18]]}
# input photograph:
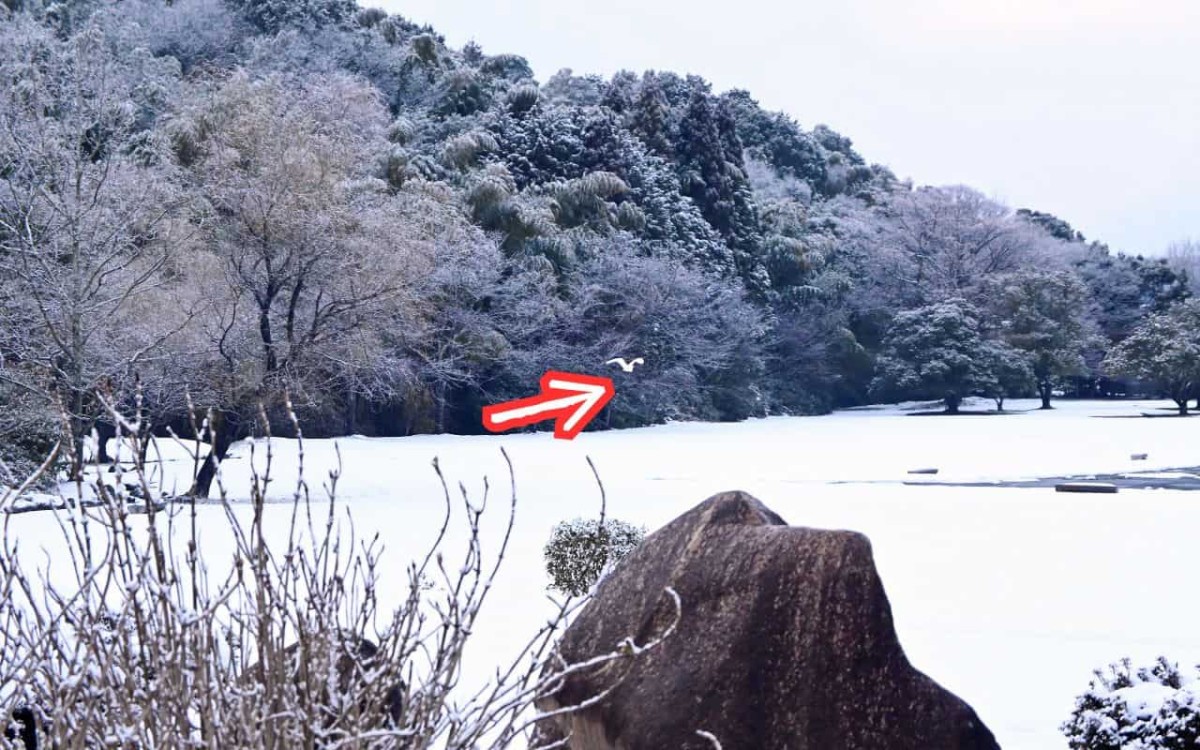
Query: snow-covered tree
{"points": [[778, 140], [89, 214], [949, 239], [709, 161], [1042, 313], [700, 337], [552, 148], [194, 32], [649, 116], [29, 431], [567, 88], [936, 351], [1051, 224], [300, 234], [1010, 373], [472, 306], [1164, 349]]}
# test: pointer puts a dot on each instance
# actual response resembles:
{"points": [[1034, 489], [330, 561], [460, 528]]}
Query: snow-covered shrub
{"points": [[579, 551], [1156, 707]]}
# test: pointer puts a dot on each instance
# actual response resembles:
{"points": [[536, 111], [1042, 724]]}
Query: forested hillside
{"points": [[222, 203]]}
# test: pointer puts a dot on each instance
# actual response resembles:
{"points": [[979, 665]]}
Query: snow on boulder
{"points": [[785, 642]]}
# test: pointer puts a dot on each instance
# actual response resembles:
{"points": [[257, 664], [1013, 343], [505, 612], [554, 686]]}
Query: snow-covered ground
{"points": [[1008, 597]]}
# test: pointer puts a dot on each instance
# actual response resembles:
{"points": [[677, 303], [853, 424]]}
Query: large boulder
{"points": [[785, 642]]}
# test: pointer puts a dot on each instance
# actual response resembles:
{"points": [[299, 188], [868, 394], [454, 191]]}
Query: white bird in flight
{"points": [[626, 366]]}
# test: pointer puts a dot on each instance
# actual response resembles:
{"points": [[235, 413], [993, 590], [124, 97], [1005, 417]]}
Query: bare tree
{"points": [[1184, 256], [943, 241], [304, 249], [87, 215], [455, 338]]}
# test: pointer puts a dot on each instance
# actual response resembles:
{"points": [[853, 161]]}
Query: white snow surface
{"points": [[1007, 597]]}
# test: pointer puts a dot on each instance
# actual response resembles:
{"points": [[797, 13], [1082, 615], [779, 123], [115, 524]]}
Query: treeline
{"points": [[217, 204]]}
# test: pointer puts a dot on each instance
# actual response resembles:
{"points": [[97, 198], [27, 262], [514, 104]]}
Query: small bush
{"points": [[1156, 708], [579, 551]]}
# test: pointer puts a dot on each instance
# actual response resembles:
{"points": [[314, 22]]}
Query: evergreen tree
{"points": [[650, 117], [1042, 314], [935, 351], [777, 139], [1164, 350], [1010, 373], [619, 92], [711, 174]]}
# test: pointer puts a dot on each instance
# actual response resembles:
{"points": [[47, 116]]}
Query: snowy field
{"points": [[1008, 597]]}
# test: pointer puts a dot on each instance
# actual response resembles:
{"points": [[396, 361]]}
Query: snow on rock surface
{"points": [[1011, 597]]}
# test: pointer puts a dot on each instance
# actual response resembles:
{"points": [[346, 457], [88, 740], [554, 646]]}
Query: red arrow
{"points": [[571, 398]]}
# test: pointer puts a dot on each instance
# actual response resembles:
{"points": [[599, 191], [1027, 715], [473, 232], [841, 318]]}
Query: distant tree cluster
{"points": [[1027, 339], [939, 351], [208, 205]]}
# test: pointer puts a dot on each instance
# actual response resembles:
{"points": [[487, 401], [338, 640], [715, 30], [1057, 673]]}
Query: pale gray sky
{"points": [[1088, 109]]}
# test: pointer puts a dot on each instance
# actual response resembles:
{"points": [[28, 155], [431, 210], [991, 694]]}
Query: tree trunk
{"points": [[144, 434], [75, 382], [225, 428], [1183, 406], [1000, 404], [104, 433], [952, 403], [350, 426], [1044, 389], [264, 332], [143, 447], [78, 433], [441, 408]]}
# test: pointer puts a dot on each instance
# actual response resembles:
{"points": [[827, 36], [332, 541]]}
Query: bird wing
{"points": [[638, 361], [616, 361]]}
